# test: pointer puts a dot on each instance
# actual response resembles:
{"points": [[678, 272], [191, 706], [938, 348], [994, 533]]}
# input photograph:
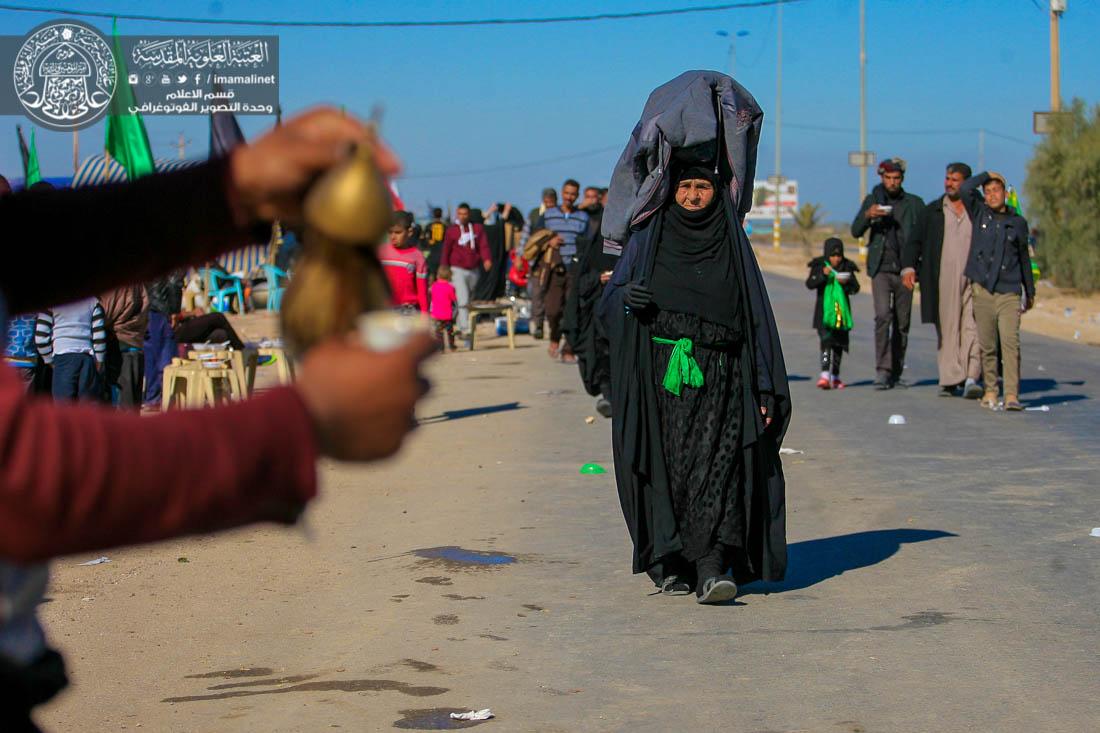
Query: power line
{"points": [[925, 131], [633, 15]]}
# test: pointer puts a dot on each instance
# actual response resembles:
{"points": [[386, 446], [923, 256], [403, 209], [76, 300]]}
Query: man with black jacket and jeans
{"points": [[999, 269], [893, 216]]}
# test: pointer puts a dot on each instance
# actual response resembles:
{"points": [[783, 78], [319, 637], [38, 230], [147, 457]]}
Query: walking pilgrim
{"points": [[699, 388]]}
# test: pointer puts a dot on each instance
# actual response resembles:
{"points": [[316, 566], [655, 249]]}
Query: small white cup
{"points": [[387, 330]]}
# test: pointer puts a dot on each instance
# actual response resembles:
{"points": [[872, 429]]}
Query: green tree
{"points": [[1063, 186], [808, 218]]}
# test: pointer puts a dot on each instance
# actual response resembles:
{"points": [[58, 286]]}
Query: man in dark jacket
{"points": [[893, 216], [999, 268], [126, 316], [945, 296]]}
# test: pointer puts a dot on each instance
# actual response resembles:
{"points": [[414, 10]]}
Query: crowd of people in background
{"points": [[552, 259]]}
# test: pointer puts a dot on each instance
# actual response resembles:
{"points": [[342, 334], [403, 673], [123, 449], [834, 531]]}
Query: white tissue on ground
{"points": [[473, 715]]}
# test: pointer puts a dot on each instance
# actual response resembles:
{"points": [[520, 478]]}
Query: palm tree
{"points": [[808, 218]]}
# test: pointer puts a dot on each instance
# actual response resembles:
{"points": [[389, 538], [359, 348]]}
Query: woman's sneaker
{"points": [[837, 384], [824, 381]]}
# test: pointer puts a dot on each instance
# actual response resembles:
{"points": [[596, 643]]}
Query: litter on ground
{"points": [[473, 715]]}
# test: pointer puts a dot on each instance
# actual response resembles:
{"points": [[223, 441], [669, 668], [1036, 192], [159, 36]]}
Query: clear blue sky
{"points": [[464, 99]]}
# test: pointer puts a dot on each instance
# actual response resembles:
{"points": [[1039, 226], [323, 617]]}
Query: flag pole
{"points": [[76, 151]]}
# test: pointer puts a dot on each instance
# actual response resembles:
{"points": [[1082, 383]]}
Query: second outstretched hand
{"points": [[361, 401]]}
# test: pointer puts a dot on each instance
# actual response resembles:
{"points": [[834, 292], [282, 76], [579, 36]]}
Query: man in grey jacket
{"points": [[893, 216]]}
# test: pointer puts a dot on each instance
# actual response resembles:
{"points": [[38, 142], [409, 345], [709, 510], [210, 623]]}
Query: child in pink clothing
{"points": [[442, 309]]}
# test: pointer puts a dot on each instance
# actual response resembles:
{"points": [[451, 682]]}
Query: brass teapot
{"points": [[339, 276]]}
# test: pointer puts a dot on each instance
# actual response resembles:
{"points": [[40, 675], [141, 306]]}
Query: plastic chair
{"points": [[274, 289], [219, 293]]}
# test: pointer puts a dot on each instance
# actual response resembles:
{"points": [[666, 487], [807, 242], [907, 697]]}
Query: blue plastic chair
{"points": [[275, 290], [219, 286]]}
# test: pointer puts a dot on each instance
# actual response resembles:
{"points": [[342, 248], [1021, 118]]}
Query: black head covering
{"points": [[693, 269], [833, 246]]}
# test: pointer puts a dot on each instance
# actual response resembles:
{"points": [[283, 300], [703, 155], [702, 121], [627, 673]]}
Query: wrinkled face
{"points": [[399, 235], [694, 194], [462, 214], [891, 181], [591, 197], [835, 260], [569, 196], [951, 183], [994, 195]]}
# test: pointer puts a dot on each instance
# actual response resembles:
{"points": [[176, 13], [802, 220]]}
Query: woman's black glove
{"points": [[767, 407], [637, 296]]}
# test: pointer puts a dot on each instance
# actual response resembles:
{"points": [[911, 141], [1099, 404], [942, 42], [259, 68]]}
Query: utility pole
{"points": [[181, 146], [1057, 7], [778, 126], [863, 96]]}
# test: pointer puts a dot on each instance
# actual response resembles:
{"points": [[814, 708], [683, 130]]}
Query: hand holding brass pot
{"points": [[339, 277]]}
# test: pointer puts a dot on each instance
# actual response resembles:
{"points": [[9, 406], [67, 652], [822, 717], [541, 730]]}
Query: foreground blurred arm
{"points": [[82, 478]]}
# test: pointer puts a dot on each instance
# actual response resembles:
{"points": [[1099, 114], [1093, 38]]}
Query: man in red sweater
{"points": [[82, 478], [466, 252]]}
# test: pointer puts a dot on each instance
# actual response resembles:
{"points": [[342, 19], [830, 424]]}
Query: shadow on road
{"points": [[1043, 384], [814, 561], [469, 412]]}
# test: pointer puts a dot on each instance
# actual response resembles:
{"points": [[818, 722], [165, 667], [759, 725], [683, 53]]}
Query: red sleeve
{"points": [[422, 282], [83, 478], [450, 234], [483, 244]]}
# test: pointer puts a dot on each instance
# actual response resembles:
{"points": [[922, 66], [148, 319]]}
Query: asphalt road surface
{"points": [[942, 575]]}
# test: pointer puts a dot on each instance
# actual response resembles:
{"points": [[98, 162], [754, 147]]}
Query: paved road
{"points": [[942, 577]]}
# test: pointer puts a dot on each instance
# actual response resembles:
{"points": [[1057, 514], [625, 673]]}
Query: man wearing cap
{"points": [[893, 216], [945, 294], [1002, 284], [534, 290]]}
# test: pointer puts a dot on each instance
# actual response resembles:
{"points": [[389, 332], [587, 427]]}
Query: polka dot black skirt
{"points": [[701, 434]]}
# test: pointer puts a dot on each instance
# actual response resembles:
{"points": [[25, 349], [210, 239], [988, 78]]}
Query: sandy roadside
{"points": [[1058, 313]]}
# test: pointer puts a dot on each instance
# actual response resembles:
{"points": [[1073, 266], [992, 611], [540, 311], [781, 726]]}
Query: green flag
{"points": [[31, 172], [126, 139]]}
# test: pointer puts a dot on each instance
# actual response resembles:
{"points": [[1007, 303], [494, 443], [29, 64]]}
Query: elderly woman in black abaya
{"points": [[700, 391]]}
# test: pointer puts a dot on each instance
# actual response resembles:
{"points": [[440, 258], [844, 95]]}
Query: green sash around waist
{"points": [[682, 367]]}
